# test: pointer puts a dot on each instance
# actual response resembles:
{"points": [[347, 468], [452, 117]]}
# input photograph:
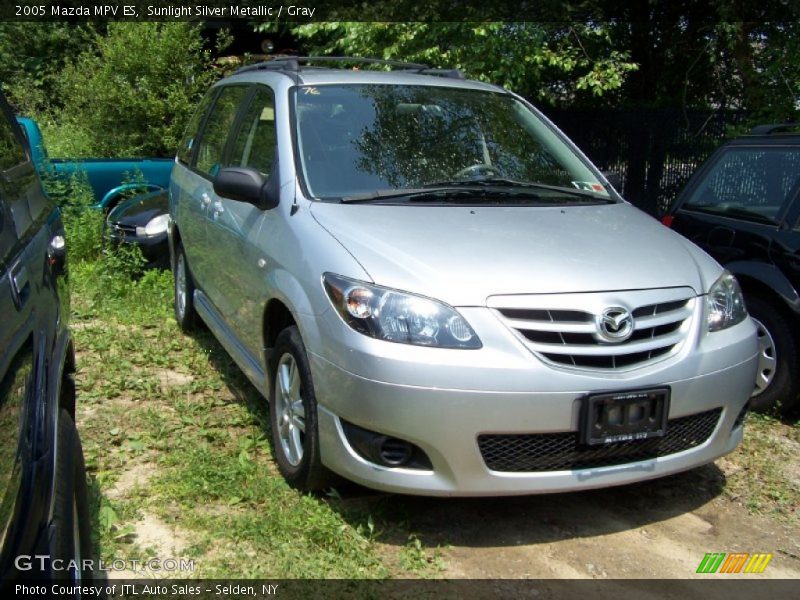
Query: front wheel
{"points": [[184, 292], [293, 415], [72, 538], [777, 384]]}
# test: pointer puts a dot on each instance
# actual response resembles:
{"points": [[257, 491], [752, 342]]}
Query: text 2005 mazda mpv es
{"points": [[439, 294]]}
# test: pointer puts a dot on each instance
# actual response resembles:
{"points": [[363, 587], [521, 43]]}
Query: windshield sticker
{"points": [[591, 186], [311, 91]]}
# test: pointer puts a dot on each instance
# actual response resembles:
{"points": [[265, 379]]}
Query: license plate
{"points": [[624, 416]]}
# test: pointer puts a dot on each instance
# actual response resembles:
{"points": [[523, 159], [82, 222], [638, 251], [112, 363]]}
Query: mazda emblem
{"points": [[614, 324]]}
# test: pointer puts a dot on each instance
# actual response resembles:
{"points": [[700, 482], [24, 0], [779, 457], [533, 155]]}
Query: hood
{"points": [[140, 209], [463, 255]]}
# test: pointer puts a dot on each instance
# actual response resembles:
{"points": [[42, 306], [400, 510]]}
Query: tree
{"points": [[683, 53], [32, 56], [132, 92], [546, 62]]}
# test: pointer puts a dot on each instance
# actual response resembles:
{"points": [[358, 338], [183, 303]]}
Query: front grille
{"points": [[570, 337], [562, 451], [123, 231]]}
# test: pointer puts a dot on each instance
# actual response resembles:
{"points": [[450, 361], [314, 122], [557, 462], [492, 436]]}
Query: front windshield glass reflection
{"points": [[360, 139]]}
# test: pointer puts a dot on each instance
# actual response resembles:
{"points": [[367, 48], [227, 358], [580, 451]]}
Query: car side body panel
{"points": [[36, 353]]}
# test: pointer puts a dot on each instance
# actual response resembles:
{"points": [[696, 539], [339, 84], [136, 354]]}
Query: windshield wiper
{"points": [[433, 194], [503, 182], [479, 190], [732, 211]]}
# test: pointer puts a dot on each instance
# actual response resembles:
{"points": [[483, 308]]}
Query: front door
{"points": [[196, 184], [242, 231]]}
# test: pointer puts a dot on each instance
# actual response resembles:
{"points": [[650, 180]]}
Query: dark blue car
{"points": [[44, 524]]}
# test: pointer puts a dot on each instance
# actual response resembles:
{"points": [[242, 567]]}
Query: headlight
{"points": [[725, 303], [394, 316], [155, 226]]}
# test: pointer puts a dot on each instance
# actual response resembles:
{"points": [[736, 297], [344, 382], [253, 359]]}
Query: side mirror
{"points": [[244, 184], [614, 179]]}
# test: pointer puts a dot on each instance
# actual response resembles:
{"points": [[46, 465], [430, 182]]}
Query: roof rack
{"points": [[292, 63], [773, 128]]}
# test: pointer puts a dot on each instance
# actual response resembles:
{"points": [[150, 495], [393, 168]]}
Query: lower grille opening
{"points": [[608, 361], [385, 450], [563, 451]]}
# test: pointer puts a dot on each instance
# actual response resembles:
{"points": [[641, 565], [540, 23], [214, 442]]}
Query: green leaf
{"points": [[107, 516]]}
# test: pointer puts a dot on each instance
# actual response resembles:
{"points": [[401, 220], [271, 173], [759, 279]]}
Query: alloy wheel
{"points": [[289, 409], [180, 285]]}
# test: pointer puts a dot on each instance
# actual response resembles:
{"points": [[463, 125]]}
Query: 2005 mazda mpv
{"points": [[439, 294]]}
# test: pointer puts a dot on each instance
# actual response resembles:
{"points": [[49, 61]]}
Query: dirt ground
{"points": [[661, 529]]}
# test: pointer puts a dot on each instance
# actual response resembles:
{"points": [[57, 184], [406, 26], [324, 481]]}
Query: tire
{"points": [[778, 378], [185, 314], [72, 534], [293, 415]]}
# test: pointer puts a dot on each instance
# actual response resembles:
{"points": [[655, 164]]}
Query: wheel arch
{"points": [[768, 282], [277, 317], [67, 394], [115, 195], [173, 240]]}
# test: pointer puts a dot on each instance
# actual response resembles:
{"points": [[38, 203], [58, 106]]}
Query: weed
{"points": [[765, 476], [415, 558]]}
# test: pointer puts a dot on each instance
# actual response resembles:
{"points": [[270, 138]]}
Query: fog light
{"points": [[385, 450], [396, 453]]}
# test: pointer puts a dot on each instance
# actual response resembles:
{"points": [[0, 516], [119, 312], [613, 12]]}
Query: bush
{"points": [[84, 224], [32, 58], [84, 233], [132, 92]]}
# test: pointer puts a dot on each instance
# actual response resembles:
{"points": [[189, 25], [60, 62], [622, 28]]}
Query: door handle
{"points": [[218, 210], [20, 284]]}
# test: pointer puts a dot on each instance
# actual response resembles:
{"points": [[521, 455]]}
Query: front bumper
{"points": [[516, 397]]}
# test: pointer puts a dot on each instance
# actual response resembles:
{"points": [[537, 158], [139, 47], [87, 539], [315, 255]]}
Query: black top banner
{"points": [[300, 11]]}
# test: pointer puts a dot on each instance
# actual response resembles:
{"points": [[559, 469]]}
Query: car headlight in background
{"points": [[725, 303], [155, 226], [395, 316]]}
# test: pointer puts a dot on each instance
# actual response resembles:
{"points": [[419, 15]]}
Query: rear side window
{"points": [[187, 143], [211, 147], [11, 151], [254, 145], [749, 183]]}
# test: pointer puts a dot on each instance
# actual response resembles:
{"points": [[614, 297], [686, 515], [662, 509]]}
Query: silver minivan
{"points": [[439, 294]]}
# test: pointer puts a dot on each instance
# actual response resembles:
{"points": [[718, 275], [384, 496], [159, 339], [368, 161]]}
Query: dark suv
{"points": [[743, 207], [43, 504]]}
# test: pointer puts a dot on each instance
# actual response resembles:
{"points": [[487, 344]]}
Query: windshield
{"points": [[356, 140], [749, 182]]}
